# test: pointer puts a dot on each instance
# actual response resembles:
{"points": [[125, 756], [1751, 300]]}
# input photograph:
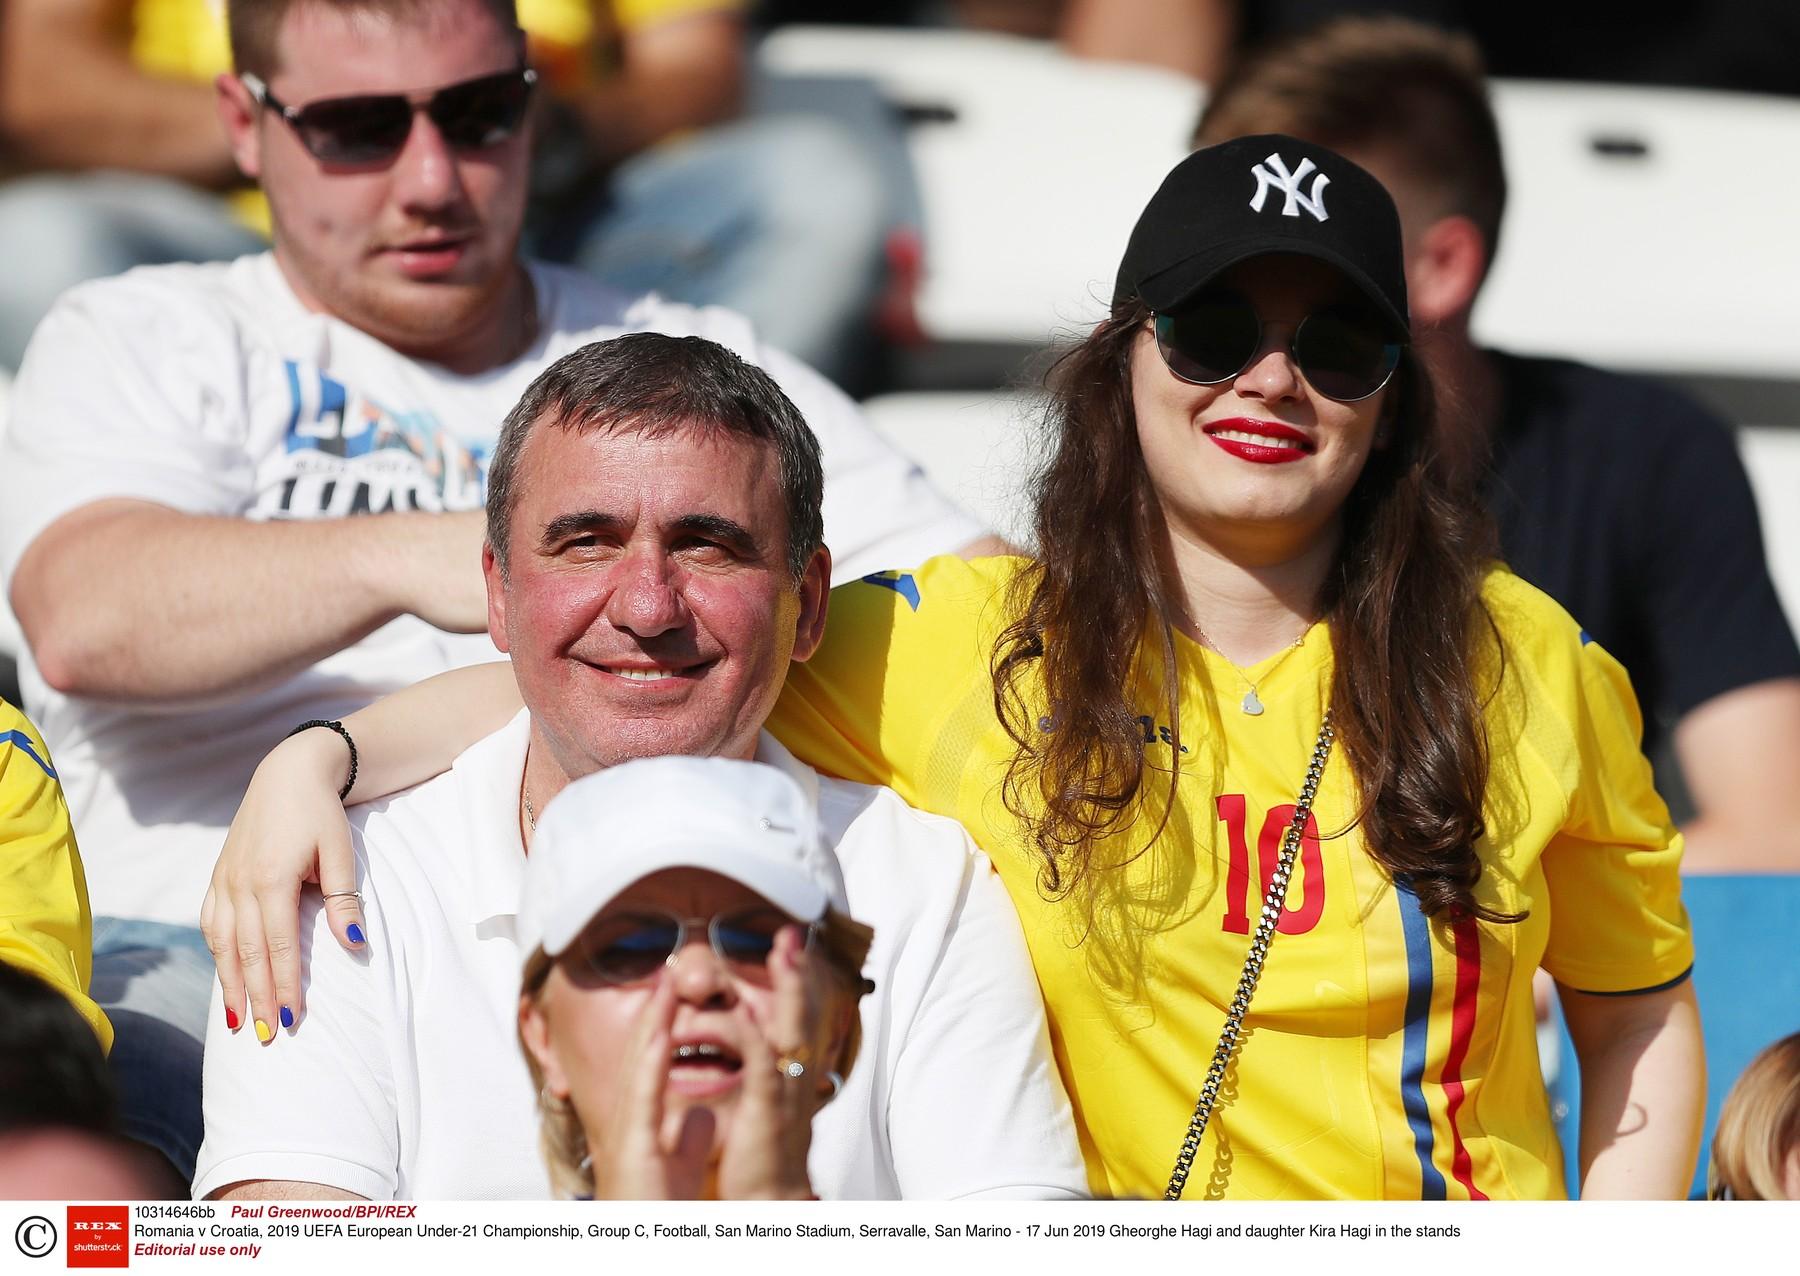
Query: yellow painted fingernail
{"points": [[262, 1032]]}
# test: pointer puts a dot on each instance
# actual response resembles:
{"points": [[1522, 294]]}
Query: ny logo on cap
{"points": [[1289, 184]]}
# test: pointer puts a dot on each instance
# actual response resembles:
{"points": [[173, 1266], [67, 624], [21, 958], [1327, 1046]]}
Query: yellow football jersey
{"points": [[44, 922], [1385, 1055]]}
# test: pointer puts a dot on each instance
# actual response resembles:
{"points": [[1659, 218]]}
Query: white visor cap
{"points": [[743, 820]]}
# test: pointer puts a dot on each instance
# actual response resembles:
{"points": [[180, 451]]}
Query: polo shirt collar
{"points": [[772, 752], [494, 768]]}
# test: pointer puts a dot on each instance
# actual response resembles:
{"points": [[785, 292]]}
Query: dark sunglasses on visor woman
{"points": [[373, 128], [1343, 353], [632, 948]]}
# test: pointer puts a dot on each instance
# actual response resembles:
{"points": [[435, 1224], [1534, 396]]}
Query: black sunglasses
{"points": [[631, 948], [372, 129], [1343, 352]]}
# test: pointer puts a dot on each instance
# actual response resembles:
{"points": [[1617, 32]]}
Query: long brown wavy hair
{"points": [[1403, 602]]}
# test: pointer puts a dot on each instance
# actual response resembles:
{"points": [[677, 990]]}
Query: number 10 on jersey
{"points": [[1306, 889]]}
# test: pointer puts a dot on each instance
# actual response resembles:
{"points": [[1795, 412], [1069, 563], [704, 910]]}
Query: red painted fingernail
{"points": [[231, 1019]]}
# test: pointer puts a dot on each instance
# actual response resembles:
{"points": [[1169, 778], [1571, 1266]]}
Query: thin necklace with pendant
{"points": [[1251, 704]]}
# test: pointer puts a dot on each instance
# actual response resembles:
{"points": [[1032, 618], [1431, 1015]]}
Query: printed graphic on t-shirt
{"points": [[344, 453]]}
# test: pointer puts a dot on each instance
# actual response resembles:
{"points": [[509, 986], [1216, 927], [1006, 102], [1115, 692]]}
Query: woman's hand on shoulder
{"points": [[290, 829]]}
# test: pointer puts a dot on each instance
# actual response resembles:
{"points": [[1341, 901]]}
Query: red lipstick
{"points": [[1272, 443]]}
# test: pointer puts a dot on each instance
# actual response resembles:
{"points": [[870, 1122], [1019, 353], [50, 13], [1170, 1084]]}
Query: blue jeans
{"points": [[155, 983], [781, 217], [64, 229]]}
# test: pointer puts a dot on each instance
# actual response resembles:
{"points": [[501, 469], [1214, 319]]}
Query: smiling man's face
{"points": [[647, 602]]}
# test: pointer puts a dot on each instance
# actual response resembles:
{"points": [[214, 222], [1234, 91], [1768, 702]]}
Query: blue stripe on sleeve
{"points": [[22, 742]]}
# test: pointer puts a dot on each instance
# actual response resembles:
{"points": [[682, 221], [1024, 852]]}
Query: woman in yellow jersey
{"points": [[1259, 725], [45, 925]]}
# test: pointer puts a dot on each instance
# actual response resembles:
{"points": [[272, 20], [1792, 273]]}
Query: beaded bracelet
{"points": [[332, 725]]}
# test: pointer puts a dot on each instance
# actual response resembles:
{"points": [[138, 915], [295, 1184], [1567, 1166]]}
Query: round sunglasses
{"points": [[632, 948], [1342, 352], [373, 128]]}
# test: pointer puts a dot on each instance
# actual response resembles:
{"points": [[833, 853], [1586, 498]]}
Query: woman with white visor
{"points": [[689, 1008]]}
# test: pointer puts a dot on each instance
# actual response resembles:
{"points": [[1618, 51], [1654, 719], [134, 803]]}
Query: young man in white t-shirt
{"points": [[654, 564], [186, 445]]}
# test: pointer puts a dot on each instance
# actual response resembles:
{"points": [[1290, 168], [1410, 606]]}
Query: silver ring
{"points": [[837, 1084], [356, 895]]}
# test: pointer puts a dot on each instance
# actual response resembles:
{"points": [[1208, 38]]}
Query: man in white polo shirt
{"points": [[654, 562], [235, 497]]}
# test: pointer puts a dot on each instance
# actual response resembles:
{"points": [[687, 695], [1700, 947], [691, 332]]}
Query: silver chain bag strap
{"points": [[1273, 902]]}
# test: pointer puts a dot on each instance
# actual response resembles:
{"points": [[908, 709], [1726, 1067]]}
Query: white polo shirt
{"points": [[406, 1078]]}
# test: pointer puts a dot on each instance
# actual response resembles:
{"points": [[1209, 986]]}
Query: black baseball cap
{"points": [[1253, 196]]}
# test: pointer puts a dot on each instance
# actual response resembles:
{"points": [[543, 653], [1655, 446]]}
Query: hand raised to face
{"points": [[785, 1067], [645, 1151]]}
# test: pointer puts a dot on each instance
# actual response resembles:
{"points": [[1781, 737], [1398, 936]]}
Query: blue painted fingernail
{"points": [[355, 933], [287, 1017]]}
